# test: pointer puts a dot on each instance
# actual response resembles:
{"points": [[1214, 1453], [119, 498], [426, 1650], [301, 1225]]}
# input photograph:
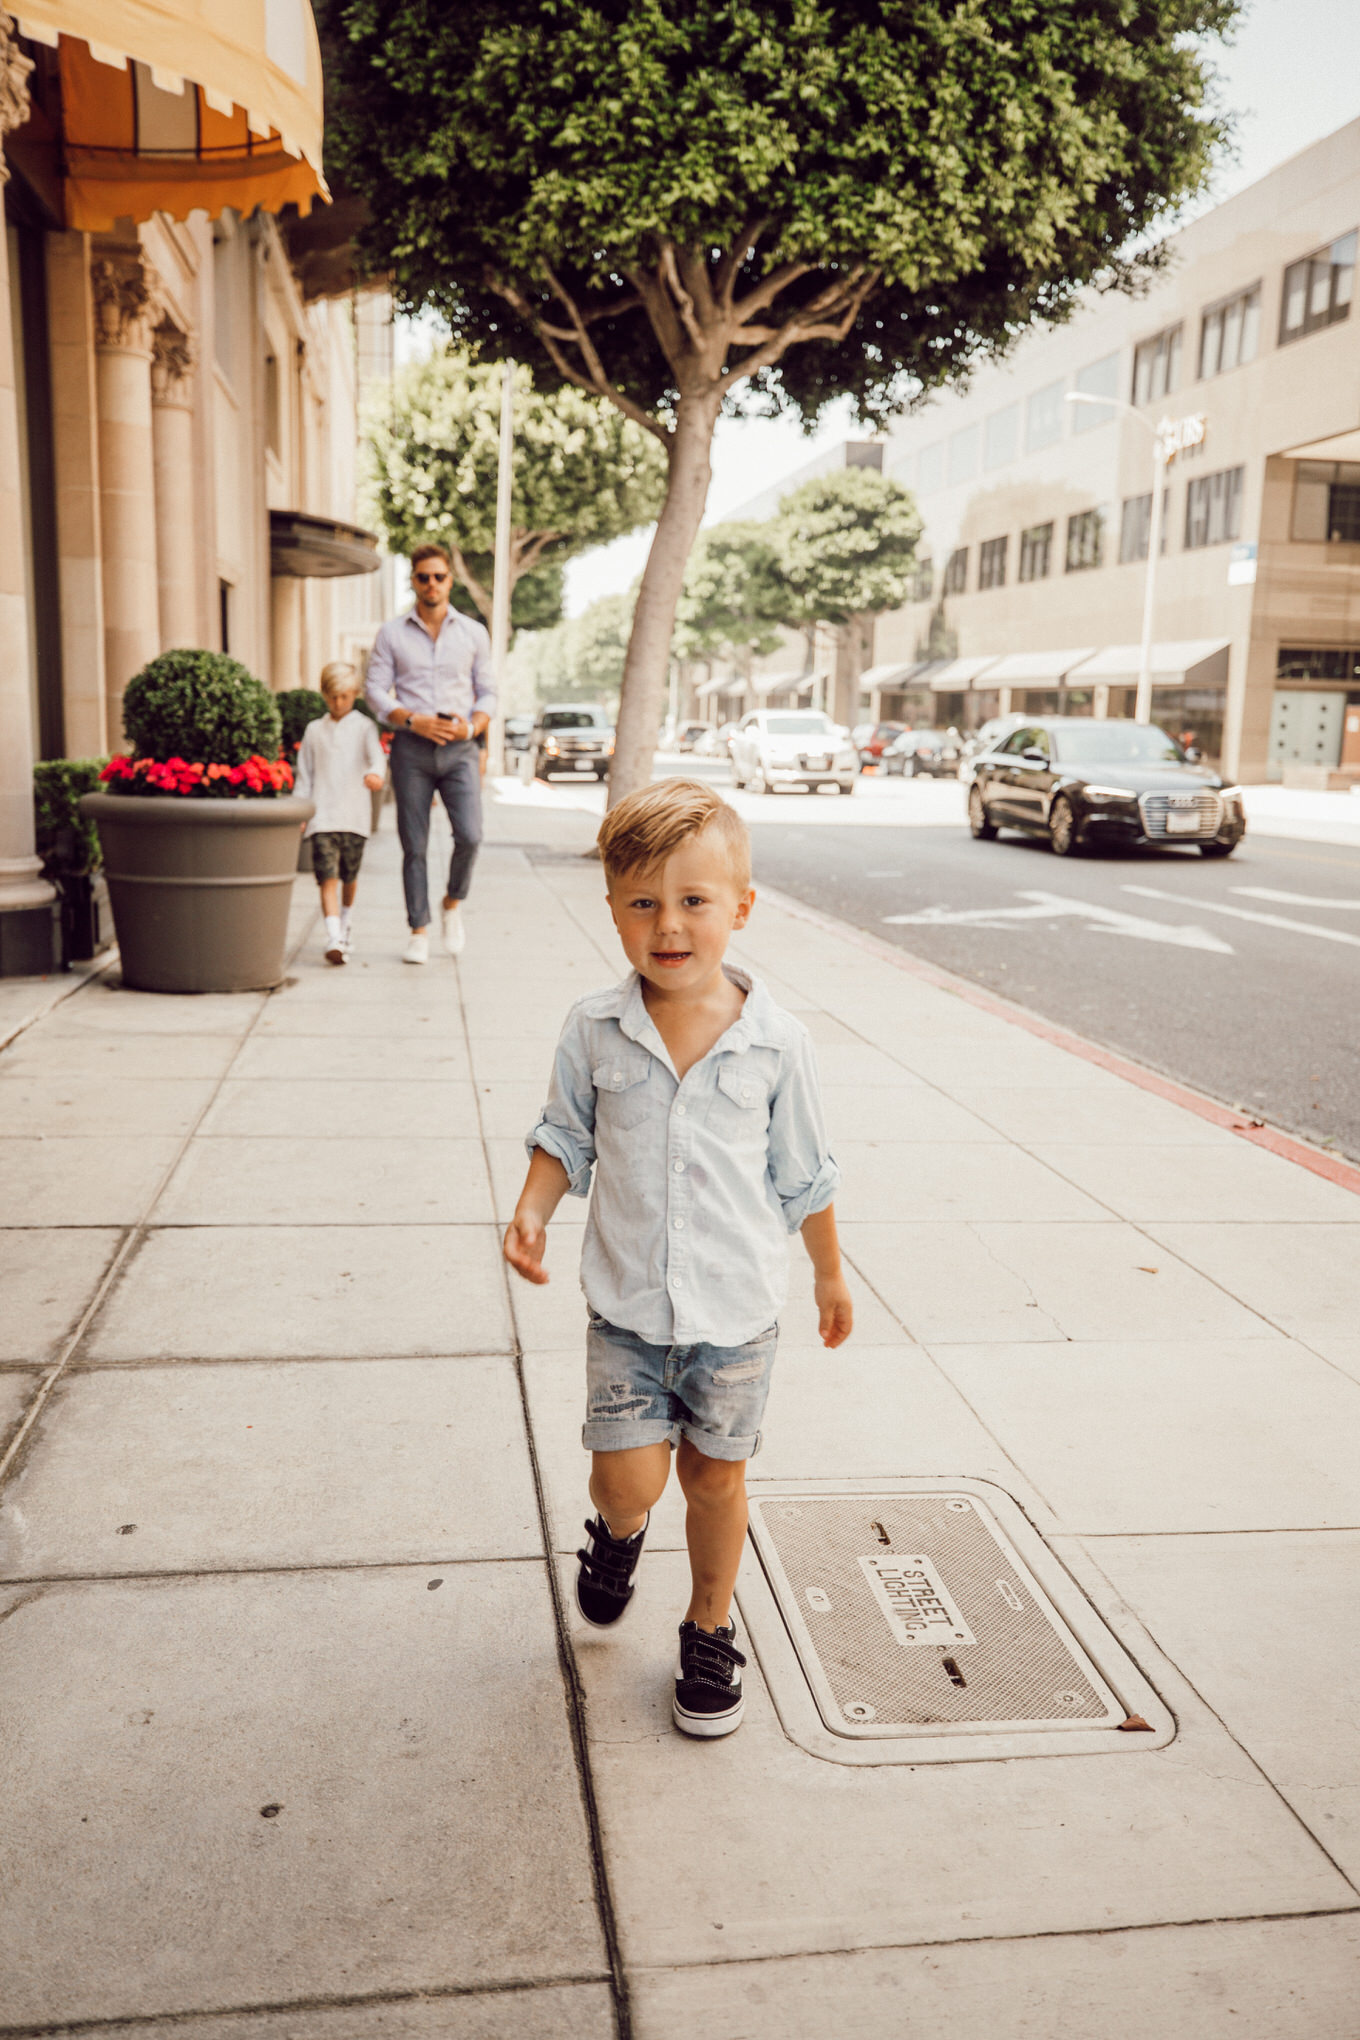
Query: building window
{"points": [[1085, 540], [963, 453], [1001, 437], [1036, 551], [1135, 527], [1230, 333], [224, 616], [1213, 508], [1317, 662], [273, 409], [1326, 502], [992, 563], [1157, 366], [1317, 291], [1097, 379], [956, 571], [1043, 417], [930, 473], [921, 583]]}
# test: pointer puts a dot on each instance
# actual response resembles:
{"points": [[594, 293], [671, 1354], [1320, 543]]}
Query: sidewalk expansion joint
{"points": [[253, 1572]]}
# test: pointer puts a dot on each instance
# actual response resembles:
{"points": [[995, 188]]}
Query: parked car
{"points": [[716, 741], [575, 737], [1081, 782], [875, 743], [792, 747], [689, 735], [985, 739], [518, 731], [933, 754]]}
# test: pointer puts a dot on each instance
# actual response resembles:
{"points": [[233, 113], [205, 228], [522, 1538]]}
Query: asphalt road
{"points": [[1238, 976]]}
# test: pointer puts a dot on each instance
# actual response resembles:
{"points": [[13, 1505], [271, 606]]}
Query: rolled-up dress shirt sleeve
{"points": [[566, 1126], [382, 668], [801, 1167], [483, 678]]}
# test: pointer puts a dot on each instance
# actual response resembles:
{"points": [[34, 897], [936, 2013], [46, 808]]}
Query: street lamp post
{"points": [[1165, 443], [500, 589]]}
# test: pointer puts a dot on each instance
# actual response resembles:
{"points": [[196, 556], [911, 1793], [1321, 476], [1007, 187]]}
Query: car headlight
{"points": [[1107, 793], [550, 746], [609, 748]]}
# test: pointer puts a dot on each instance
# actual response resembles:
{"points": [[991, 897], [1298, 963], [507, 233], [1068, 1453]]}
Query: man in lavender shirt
{"points": [[430, 681]]}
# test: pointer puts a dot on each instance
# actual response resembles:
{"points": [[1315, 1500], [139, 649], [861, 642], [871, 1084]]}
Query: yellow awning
{"points": [[173, 105]]}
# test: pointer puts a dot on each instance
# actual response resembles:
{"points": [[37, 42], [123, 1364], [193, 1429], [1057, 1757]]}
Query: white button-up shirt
{"points": [[332, 759], [445, 675], [700, 1179]]}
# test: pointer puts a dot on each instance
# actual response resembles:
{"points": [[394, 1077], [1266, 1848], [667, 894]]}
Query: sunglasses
{"points": [[429, 577]]}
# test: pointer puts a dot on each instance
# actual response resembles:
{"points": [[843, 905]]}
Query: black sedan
{"points": [[1080, 782]]}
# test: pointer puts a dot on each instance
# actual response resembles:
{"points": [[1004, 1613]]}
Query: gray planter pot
{"points": [[200, 888]]}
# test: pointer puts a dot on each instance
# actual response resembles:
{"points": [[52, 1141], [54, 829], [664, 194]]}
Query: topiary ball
{"points": [[203, 707], [298, 706]]}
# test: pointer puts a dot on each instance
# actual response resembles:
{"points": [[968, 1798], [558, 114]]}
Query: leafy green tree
{"points": [[670, 202], [581, 659], [734, 598], [845, 543], [583, 474]]}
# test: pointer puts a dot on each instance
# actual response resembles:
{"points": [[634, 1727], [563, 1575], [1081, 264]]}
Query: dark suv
{"points": [[575, 737]]}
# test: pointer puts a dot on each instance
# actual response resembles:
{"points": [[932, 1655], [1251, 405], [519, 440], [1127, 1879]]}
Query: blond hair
{"points": [[339, 677], [648, 827]]}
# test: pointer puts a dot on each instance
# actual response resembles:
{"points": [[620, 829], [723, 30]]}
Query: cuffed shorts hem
{"points": [[628, 1437]]}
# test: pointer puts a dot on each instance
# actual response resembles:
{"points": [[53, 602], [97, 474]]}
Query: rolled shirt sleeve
{"points": [[566, 1125], [801, 1167], [483, 675], [382, 669]]}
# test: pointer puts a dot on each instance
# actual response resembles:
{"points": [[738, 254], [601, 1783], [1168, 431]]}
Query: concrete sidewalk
{"points": [[301, 1743]]}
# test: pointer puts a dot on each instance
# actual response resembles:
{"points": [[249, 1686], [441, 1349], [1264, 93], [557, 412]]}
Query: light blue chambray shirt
{"points": [[701, 1179], [445, 675]]}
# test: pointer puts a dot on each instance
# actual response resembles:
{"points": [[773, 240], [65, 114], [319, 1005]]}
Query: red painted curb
{"points": [[1333, 1168]]}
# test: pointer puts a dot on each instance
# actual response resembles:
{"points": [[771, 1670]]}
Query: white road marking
{"points": [[1150, 892], [1295, 899], [1046, 906]]}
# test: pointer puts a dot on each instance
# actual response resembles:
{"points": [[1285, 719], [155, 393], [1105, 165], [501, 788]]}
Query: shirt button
{"points": [[679, 1224], [679, 1111], [677, 1282], [618, 1076], [679, 1168]]}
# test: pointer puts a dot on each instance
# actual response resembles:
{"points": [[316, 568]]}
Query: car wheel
{"points": [[1063, 837], [758, 783], [1217, 849], [984, 831], [845, 788]]}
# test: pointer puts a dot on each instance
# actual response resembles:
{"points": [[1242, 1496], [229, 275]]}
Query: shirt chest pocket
{"points": [[623, 1092], [740, 1108]]}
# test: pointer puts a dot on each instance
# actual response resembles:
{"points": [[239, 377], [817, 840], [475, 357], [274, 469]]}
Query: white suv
{"points": [[792, 747]]}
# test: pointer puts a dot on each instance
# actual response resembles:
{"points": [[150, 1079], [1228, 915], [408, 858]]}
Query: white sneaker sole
{"points": [[707, 1726]]}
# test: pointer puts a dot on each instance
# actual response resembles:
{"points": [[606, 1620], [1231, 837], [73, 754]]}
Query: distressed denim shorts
{"points": [[639, 1394]]}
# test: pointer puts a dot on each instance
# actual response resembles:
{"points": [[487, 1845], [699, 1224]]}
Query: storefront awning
{"points": [[310, 548], [791, 681], [1195, 662], [896, 673], [175, 105], [956, 676], [1036, 669], [707, 689]]}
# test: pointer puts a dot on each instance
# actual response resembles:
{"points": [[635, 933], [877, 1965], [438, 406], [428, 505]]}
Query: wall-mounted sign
{"points": [[1178, 435], [1241, 565]]}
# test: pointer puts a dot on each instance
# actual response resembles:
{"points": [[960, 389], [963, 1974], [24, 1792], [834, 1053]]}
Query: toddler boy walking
{"points": [[694, 1097], [339, 763]]}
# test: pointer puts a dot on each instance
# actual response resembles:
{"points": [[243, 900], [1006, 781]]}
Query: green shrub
{"points": [[297, 707], [66, 841], [202, 707]]}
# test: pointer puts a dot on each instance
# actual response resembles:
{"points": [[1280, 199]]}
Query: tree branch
{"points": [[532, 548], [684, 302], [764, 294], [595, 367], [595, 384], [725, 275], [470, 581], [810, 325]]}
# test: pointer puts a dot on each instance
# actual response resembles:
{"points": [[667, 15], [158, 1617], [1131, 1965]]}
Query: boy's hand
{"points": [[835, 1311], [373, 780], [525, 1238]]}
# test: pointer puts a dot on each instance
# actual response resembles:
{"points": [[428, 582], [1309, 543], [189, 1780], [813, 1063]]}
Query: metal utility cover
{"points": [[916, 1614]]}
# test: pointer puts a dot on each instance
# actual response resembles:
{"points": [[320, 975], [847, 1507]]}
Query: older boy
{"points": [[696, 1098], [339, 764]]}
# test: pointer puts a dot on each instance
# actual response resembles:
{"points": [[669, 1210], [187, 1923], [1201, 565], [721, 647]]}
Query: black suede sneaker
{"points": [[708, 1696], [604, 1584]]}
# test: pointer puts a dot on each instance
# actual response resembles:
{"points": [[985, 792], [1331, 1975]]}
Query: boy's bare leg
{"points": [[715, 1530], [330, 897], [348, 892], [625, 1485]]}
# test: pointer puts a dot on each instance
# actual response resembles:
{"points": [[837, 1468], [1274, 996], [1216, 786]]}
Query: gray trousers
{"points": [[420, 770]]}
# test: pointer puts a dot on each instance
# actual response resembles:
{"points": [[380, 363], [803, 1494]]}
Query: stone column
{"points": [[25, 896], [126, 314], [75, 433], [172, 434]]}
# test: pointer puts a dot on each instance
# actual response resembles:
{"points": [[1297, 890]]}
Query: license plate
{"points": [[583, 765], [816, 764], [1181, 824]]}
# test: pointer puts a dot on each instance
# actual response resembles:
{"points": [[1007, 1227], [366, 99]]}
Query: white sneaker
{"points": [[417, 949], [347, 941], [455, 934]]}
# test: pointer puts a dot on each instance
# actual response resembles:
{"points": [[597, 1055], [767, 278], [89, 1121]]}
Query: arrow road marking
{"points": [[1150, 892], [1047, 906], [1295, 899]]}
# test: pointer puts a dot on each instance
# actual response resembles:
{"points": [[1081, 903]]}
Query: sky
{"points": [[1290, 76]]}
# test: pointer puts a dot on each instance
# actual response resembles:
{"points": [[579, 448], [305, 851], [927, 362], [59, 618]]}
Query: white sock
{"points": [[346, 914], [332, 927]]}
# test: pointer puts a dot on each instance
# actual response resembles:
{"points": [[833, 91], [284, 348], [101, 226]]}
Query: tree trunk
{"points": [[851, 646], [644, 673]]}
